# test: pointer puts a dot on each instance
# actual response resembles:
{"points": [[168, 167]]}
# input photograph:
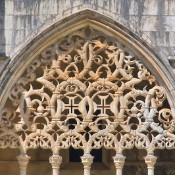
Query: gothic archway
{"points": [[87, 90]]}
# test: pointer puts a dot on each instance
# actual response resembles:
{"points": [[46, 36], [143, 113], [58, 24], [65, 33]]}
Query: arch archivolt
{"points": [[87, 91]]}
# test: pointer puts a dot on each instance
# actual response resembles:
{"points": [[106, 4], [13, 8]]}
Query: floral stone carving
{"points": [[87, 91]]}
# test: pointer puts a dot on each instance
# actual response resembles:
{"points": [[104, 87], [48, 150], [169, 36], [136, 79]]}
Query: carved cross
{"points": [[104, 105], [71, 106]]}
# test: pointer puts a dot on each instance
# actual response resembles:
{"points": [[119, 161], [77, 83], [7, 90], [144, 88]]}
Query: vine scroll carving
{"points": [[87, 91]]}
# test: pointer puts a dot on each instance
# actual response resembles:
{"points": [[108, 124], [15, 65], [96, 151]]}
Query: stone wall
{"points": [[150, 19], [2, 28]]}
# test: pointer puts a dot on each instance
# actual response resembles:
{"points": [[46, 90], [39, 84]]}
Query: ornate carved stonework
{"points": [[87, 91]]}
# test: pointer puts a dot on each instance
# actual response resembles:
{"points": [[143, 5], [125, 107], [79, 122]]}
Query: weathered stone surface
{"points": [[125, 79], [145, 15], [2, 28]]}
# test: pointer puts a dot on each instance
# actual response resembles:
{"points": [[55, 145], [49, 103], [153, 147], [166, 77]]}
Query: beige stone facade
{"points": [[87, 87]]}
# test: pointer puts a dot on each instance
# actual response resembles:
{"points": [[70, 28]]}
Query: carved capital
{"points": [[150, 160], [87, 160], [119, 160], [23, 160], [55, 161]]}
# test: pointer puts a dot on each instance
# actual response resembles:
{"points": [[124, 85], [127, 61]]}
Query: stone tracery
{"points": [[87, 91]]}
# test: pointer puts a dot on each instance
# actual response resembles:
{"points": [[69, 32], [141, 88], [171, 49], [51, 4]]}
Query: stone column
{"points": [[55, 161], [23, 161], [87, 160], [119, 161], [150, 160]]}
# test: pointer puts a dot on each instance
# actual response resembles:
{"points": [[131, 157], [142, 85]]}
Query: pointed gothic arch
{"points": [[87, 85]]}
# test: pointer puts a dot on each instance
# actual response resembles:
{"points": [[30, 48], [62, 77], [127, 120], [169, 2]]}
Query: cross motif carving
{"points": [[71, 106], [104, 105]]}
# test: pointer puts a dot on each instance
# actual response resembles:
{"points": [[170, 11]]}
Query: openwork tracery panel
{"points": [[87, 91]]}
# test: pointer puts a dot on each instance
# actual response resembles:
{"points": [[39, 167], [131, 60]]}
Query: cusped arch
{"points": [[88, 83]]}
